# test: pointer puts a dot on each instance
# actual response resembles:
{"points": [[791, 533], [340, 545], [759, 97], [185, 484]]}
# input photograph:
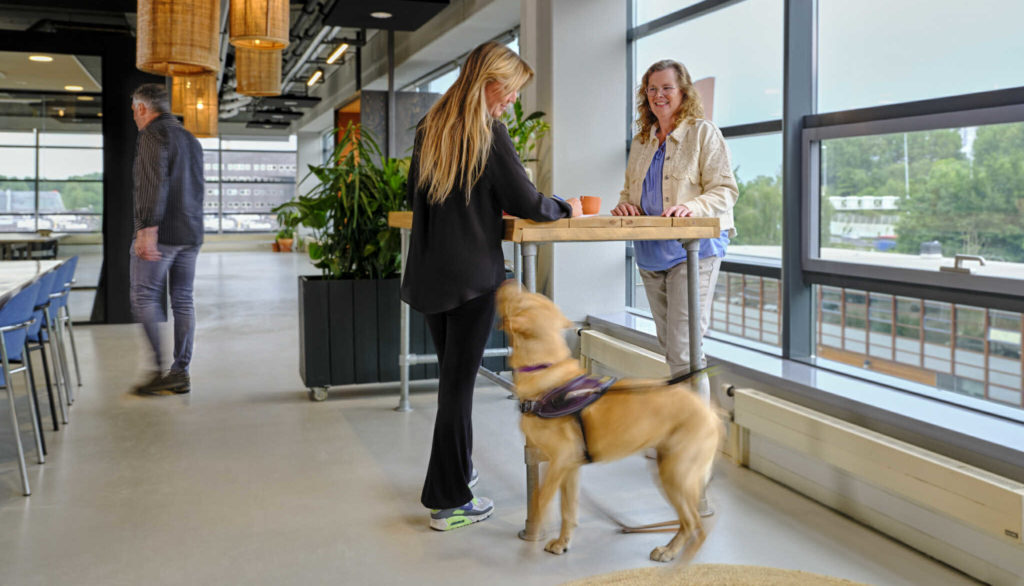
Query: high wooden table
{"points": [[527, 235]]}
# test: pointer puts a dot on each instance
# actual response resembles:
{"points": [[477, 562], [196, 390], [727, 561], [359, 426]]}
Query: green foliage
{"points": [[758, 211], [525, 131], [347, 209]]}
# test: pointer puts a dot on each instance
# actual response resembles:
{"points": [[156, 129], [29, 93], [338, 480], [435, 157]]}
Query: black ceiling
{"points": [[407, 15], [96, 5]]}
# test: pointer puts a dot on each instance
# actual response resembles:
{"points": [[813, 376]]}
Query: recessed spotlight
{"points": [[381, 14], [317, 75], [74, 88], [85, 98], [40, 58], [337, 53], [290, 103], [99, 114], [60, 112]]}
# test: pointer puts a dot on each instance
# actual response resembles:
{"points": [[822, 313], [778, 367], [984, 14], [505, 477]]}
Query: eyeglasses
{"points": [[667, 90]]}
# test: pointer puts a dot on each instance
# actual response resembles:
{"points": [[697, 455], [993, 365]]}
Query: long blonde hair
{"points": [[456, 132], [691, 108]]}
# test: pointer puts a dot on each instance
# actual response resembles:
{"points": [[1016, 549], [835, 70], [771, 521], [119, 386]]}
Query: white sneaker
{"points": [[475, 510]]}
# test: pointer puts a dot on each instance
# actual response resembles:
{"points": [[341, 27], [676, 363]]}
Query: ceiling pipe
{"points": [[326, 32]]}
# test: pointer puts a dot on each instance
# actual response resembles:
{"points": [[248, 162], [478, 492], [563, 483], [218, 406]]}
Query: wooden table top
{"points": [[15, 275], [596, 228]]}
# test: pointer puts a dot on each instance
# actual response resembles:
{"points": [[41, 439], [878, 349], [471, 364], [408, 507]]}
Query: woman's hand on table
{"points": [[679, 211], [626, 209], [577, 206]]}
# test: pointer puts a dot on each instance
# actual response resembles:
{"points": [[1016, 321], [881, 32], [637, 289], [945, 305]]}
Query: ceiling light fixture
{"points": [[381, 14], [85, 98], [317, 75], [40, 58], [337, 53], [74, 88]]}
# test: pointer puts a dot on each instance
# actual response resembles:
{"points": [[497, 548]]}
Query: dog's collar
{"points": [[533, 367]]}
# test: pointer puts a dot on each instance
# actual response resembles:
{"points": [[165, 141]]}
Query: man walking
{"points": [[168, 198]]}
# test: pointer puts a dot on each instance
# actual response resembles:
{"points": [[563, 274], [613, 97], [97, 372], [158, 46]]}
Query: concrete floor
{"points": [[246, 481]]}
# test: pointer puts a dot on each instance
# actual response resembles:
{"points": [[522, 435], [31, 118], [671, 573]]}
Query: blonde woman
{"points": [[464, 173], [678, 167]]}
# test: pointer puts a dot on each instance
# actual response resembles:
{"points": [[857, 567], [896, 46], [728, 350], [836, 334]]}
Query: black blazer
{"points": [[455, 248]]}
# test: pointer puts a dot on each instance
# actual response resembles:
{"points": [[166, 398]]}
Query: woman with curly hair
{"points": [[678, 167]]}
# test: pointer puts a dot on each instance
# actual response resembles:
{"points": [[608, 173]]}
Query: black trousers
{"points": [[460, 336]]}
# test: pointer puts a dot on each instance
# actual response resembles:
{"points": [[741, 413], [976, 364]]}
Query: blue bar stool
{"points": [[37, 339], [15, 319], [64, 319]]}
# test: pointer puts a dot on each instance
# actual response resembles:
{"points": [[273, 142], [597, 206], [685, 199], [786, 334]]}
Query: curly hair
{"points": [[690, 109]]}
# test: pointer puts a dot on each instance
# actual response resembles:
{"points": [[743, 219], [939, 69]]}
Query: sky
{"points": [[870, 53]]}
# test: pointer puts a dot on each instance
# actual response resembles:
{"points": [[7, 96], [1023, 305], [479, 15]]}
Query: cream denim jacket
{"points": [[697, 169]]}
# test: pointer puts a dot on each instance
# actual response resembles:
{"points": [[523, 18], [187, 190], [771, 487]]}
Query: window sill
{"points": [[980, 439]]}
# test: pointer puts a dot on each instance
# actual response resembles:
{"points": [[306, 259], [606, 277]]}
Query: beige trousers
{"points": [[667, 296]]}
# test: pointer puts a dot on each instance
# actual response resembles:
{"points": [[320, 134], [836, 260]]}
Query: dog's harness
{"points": [[570, 398], [575, 395]]}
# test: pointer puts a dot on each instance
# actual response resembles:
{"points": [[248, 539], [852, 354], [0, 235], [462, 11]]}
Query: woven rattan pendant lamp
{"points": [[179, 85], [258, 72], [178, 37], [259, 24], [201, 106]]}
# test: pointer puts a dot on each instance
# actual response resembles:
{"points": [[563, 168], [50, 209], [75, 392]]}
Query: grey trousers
{"points": [[667, 296]]}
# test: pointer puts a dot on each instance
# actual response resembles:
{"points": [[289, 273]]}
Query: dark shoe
{"points": [[154, 385], [177, 382]]}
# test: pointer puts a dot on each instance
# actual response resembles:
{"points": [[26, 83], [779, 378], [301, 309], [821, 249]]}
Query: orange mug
{"points": [[591, 204]]}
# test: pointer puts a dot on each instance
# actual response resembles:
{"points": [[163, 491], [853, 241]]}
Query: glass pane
{"points": [[915, 200], [71, 222], [17, 163], [17, 138], [211, 144], [78, 139], [985, 363], [261, 145], [648, 10], [757, 161], [70, 163], [864, 48], [254, 197], [76, 196], [245, 222], [211, 165], [211, 222], [17, 223], [747, 84], [258, 166], [18, 197]]}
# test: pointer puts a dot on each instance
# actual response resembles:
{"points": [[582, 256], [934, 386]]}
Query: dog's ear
{"points": [[514, 324]]}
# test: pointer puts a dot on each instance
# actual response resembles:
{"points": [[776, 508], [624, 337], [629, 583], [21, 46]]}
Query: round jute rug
{"points": [[713, 575]]}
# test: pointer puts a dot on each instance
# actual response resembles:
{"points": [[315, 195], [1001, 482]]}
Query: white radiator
{"points": [[990, 503]]}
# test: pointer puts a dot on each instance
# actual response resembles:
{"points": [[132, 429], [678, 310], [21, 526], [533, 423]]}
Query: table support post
{"points": [[403, 338], [530, 266]]}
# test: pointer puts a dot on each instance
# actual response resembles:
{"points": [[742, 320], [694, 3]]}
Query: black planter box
{"points": [[349, 333]]}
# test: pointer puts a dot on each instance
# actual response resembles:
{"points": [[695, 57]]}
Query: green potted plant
{"points": [[284, 239], [349, 314], [525, 132]]}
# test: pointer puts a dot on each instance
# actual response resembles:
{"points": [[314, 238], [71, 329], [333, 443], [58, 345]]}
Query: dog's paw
{"points": [[662, 554], [557, 546]]}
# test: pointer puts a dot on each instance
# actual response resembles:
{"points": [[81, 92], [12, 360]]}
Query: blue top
{"points": [[661, 255]]}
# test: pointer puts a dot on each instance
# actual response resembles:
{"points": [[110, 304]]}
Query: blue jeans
{"points": [[148, 278]]}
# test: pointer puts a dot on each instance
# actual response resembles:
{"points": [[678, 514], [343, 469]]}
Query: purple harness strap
{"points": [[570, 399]]}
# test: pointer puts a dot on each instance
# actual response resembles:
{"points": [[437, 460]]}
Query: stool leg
{"points": [[14, 420], [58, 380], [62, 347], [49, 389], [71, 336], [35, 396]]}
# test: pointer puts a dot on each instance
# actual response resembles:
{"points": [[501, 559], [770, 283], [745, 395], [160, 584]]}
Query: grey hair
{"points": [[154, 96]]}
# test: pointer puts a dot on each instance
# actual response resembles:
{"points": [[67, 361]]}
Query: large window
{"points": [[245, 179], [877, 52]]}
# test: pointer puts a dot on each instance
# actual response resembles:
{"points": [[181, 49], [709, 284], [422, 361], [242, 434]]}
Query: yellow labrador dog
{"points": [[630, 416]]}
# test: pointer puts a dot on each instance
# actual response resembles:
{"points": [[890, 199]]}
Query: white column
{"points": [[578, 49]]}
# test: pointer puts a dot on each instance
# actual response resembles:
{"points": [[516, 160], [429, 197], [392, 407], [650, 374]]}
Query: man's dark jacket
{"points": [[455, 247], [169, 183]]}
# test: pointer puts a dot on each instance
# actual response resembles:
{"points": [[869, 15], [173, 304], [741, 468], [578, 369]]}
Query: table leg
{"points": [[533, 457], [403, 336]]}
